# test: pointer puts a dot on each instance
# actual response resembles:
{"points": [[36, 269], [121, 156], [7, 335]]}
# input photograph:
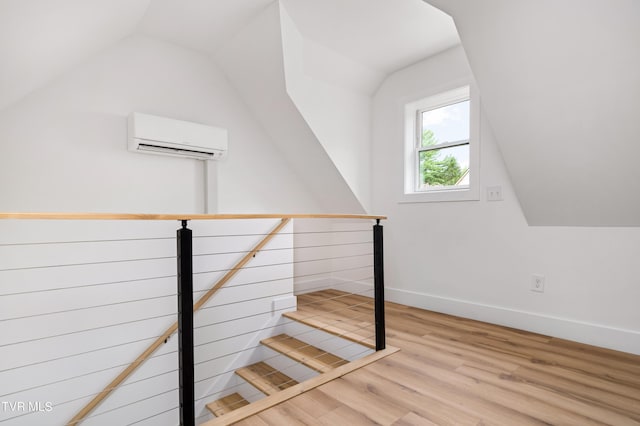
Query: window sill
{"points": [[440, 196]]}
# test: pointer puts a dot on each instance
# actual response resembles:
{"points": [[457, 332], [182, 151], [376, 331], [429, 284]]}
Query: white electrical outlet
{"points": [[537, 283], [494, 193]]}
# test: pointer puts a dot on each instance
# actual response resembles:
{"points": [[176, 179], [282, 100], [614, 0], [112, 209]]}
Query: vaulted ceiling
{"points": [[203, 25], [381, 34], [560, 81], [41, 39]]}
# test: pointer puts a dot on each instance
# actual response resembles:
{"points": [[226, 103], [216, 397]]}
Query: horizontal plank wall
{"points": [[334, 254], [228, 329], [80, 300]]}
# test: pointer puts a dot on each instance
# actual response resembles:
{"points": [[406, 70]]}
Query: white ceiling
{"points": [[40, 39], [203, 25], [386, 35]]}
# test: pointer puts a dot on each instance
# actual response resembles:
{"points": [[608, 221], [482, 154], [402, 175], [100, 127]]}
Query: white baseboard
{"points": [[579, 331]]}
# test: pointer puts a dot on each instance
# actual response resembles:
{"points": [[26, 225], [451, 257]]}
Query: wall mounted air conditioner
{"points": [[158, 135]]}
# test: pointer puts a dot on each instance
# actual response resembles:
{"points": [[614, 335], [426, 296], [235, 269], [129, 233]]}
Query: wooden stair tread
{"points": [[265, 378], [314, 358], [315, 322], [227, 404]]}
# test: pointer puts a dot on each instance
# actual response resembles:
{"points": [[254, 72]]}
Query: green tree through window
{"points": [[437, 171]]}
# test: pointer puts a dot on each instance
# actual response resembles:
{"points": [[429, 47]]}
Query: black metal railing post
{"points": [[378, 284], [185, 326]]}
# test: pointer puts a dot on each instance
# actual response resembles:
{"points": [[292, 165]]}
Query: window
{"points": [[441, 147]]}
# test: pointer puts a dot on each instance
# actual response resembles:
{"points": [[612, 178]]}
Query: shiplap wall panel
{"points": [[236, 294], [236, 243], [228, 328], [222, 262], [89, 284], [156, 403], [217, 313], [80, 300], [63, 254], [60, 343], [78, 322], [73, 347], [170, 417], [47, 231], [334, 254], [211, 335], [63, 372], [26, 304], [263, 274], [45, 279], [152, 387]]}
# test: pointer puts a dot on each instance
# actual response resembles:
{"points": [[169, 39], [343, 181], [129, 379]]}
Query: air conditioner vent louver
{"points": [[176, 151], [158, 135]]}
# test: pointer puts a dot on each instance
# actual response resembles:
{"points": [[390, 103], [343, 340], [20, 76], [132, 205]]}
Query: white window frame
{"points": [[412, 137]]}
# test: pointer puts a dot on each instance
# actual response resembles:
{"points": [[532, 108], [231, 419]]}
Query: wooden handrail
{"points": [[160, 340], [145, 216]]}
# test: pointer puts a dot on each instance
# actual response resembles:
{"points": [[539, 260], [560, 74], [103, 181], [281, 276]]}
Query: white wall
{"points": [[63, 148], [475, 259]]}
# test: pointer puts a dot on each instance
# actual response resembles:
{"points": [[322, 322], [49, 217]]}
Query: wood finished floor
{"points": [[454, 371]]}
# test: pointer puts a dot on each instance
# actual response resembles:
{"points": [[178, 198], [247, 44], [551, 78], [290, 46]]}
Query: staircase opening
{"points": [[282, 304]]}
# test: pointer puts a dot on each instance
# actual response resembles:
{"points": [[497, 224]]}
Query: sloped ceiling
{"points": [[40, 39], [258, 75], [560, 84], [203, 25], [381, 34]]}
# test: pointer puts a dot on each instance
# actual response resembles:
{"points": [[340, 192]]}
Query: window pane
{"points": [[447, 124], [444, 167]]}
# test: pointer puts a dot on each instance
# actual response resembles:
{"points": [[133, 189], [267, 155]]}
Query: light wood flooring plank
{"points": [[413, 419], [573, 409], [341, 329], [227, 404], [456, 371], [265, 378], [435, 409], [309, 355]]}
